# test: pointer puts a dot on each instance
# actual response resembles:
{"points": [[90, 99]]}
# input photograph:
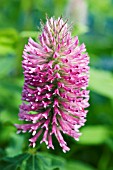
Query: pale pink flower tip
{"points": [[56, 75]]}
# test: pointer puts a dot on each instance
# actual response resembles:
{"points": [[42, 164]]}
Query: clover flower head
{"points": [[54, 94]]}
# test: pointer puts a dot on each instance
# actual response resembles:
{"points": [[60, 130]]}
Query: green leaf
{"points": [[34, 161], [54, 161], [78, 166], [15, 145], [13, 163], [94, 135], [101, 82], [44, 162]]}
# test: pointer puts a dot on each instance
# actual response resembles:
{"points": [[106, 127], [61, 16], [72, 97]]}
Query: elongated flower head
{"points": [[54, 95]]}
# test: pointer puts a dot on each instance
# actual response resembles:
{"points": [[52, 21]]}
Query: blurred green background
{"points": [[93, 23]]}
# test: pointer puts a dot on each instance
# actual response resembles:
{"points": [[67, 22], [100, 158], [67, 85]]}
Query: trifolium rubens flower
{"points": [[54, 94]]}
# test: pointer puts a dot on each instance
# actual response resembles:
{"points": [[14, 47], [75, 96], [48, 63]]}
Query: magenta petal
{"points": [[55, 95]]}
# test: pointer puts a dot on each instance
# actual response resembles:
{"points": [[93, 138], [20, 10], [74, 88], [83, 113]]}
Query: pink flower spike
{"points": [[56, 76]]}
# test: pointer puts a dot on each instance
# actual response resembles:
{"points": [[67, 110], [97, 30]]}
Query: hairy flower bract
{"points": [[54, 94]]}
